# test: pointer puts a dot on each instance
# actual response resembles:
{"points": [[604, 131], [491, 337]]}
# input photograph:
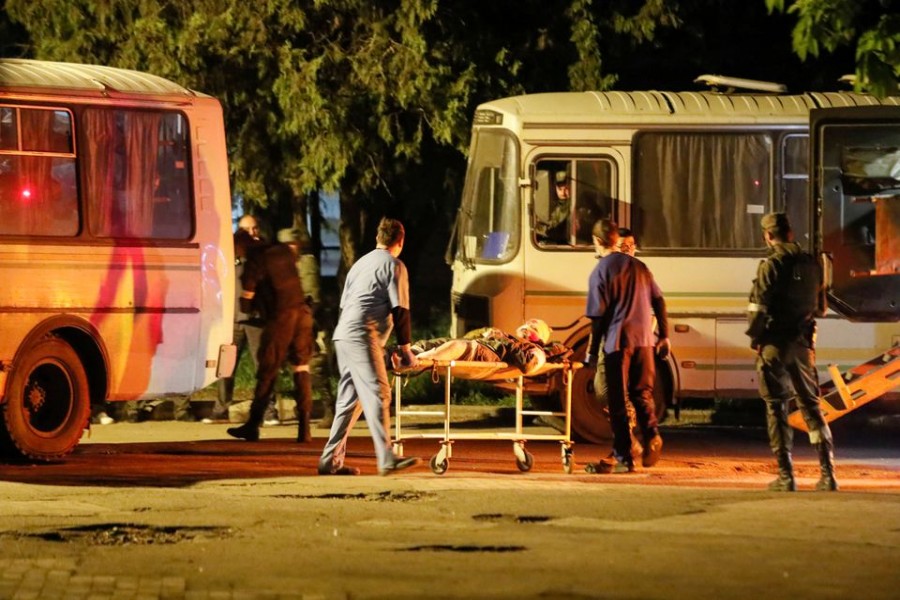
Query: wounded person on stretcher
{"points": [[528, 349]]}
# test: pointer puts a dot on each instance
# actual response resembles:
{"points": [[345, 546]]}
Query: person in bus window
{"points": [[555, 229], [784, 300], [622, 300]]}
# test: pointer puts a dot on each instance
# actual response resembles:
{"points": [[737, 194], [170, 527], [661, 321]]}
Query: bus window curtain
{"points": [[38, 189], [141, 149], [99, 127], [121, 171], [702, 191]]}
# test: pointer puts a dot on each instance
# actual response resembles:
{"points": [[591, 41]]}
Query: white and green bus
{"points": [[115, 246], [691, 174]]}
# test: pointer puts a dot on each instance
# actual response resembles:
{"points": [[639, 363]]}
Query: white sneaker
{"points": [[105, 419], [271, 422]]}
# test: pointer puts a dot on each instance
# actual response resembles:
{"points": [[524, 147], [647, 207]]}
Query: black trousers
{"points": [[630, 373], [787, 371]]}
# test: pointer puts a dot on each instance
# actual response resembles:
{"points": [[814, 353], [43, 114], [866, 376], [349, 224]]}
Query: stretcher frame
{"points": [[446, 370]]}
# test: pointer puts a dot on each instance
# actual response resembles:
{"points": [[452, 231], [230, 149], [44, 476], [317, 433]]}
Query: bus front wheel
{"points": [[47, 403], [590, 420]]}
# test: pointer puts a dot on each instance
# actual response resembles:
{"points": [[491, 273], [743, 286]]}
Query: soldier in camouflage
{"points": [[784, 301]]}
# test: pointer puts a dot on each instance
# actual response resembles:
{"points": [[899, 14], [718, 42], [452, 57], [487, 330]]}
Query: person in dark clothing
{"points": [[555, 229], [247, 327], [784, 301], [628, 245], [272, 286], [622, 300]]}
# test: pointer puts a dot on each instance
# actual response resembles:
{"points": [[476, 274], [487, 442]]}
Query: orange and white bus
{"points": [[691, 173], [116, 256]]}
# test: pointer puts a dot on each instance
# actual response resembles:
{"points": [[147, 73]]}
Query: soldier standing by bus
{"points": [[782, 328]]}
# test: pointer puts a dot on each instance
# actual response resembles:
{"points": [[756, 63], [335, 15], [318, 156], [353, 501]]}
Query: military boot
{"points": [[826, 481], [785, 481]]}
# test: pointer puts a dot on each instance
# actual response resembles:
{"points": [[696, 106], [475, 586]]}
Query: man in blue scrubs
{"points": [[374, 301]]}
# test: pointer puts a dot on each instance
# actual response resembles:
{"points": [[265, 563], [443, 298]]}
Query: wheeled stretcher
{"points": [[447, 370]]}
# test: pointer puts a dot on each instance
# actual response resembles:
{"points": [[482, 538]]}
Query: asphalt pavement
{"points": [[179, 510]]}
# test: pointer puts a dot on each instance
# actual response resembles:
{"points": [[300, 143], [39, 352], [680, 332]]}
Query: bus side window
{"points": [[593, 197], [39, 194], [137, 174], [701, 190], [590, 184], [8, 128], [171, 214], [795, 184]]}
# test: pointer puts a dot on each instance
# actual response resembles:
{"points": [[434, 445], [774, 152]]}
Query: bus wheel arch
{"points": [[47, 401], [590, 420], [58, 372]]}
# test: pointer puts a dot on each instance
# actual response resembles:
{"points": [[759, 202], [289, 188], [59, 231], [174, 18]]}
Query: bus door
{"points": [[855, 160], [568, 195]]}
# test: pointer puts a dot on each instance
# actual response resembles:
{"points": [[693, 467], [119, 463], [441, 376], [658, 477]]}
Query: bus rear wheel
{"points": [[47, 403], [590, 420]]}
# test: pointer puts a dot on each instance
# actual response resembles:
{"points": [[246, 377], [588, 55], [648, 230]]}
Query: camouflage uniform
{"points": [[783, 305]]}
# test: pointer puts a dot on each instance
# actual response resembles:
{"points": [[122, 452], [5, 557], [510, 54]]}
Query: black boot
{"points": [[785, 481], [781, 438], [248, 431], [303, 397], [826, 482]]}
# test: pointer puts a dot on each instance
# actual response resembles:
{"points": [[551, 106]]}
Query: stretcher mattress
{"points": [[478, 370]]}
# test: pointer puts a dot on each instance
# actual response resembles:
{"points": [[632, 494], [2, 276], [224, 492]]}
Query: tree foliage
{"points": [[347, 95], [873, 26], [373, 99]]}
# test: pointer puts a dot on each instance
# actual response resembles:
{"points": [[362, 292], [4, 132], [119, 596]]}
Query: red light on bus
{"points": [[26, 194]]}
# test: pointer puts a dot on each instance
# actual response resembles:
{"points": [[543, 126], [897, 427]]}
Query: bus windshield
{"points": [[489, 217]]}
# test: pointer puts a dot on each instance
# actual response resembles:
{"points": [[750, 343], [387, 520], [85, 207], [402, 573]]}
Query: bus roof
{"points": [[622, 107], [17, 73]]}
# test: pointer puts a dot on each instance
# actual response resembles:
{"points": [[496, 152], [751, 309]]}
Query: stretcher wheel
{"points": [[567, 463], [525, 465], [439, 468]]}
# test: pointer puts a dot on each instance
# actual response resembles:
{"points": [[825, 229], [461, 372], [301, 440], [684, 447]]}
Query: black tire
{"points": [[590, 423], [568, 462], [47, 403], [663, 389], [525, 465], [438, 468]]}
